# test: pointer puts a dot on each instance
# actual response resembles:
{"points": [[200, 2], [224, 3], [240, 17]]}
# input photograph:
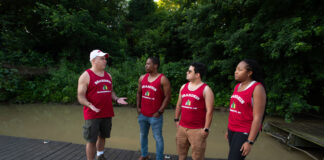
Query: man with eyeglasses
{"points": [[194, 113]]}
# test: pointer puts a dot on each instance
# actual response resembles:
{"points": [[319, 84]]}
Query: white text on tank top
{"points": [[240, 99]]}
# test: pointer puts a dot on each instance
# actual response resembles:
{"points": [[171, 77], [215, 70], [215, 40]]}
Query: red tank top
{"points": [[193, 107], [99, 94], [241, 109], [152, 96]]}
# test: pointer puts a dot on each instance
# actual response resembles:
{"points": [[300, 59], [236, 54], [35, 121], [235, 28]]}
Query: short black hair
{"points": [[199, 68], [155, 60]]}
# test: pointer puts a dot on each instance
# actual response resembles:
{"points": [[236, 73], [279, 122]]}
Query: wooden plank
{"points": [[78, 149], [12, 148], [303, 131], [25, 152]]}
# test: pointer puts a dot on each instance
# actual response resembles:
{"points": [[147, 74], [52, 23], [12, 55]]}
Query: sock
{"points": [[99, 153]]}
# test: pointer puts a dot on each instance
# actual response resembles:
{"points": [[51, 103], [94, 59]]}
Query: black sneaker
{"points": [[101, 157]]}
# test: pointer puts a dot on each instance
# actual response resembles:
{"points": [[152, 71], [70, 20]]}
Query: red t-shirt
{"points": [[193, 107], [152, 96], [241, 109], [99, 94]]}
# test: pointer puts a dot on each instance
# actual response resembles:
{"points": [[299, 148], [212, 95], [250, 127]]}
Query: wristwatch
{"points": [[250, 142], [176, 120], [206, 130]]}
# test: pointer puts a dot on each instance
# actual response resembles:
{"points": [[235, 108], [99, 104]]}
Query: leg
{"points": [[157, 124], [100, 143], [144, 130], [198, 143], [236, 140], [104, 132], [90, 133], [90, 150], [182, 143]]}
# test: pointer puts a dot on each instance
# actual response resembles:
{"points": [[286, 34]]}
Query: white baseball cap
{"points": [[96, 53]]}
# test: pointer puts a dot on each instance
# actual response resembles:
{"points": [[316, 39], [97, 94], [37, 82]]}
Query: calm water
{"points": [[64, 123]]}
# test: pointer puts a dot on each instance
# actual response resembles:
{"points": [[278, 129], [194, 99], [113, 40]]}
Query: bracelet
{"points": [[117, 100], [160, 112], [176, 120]]}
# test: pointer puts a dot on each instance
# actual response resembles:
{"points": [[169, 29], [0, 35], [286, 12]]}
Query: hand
{"points": [[205, 134], [226, 135], [92, 107], [156, 115], [246, 148], [177, 124], [122, 100], [138, 110]]}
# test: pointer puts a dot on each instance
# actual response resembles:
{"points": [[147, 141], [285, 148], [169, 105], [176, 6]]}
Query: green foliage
{"points": [[176, 73], [9, 83], [125, 78], [285, 37]]}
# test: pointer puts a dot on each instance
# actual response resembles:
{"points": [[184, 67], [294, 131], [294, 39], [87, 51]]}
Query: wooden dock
{"points": [[16, 148], [306, 136]]}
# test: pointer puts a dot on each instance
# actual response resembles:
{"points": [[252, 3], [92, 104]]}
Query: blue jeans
{"points": [[156, 123]]}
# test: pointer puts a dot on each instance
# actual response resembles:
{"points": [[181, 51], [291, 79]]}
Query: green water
{"points": [[64, 123]]}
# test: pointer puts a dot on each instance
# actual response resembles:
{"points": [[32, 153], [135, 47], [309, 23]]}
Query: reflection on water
{"points": [[64, 123]]}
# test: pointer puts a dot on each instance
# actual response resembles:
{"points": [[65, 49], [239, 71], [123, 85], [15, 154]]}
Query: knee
{"points": [[158, 137]]}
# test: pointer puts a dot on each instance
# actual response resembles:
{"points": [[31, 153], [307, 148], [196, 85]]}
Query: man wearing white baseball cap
{"points": [[95, 93]]}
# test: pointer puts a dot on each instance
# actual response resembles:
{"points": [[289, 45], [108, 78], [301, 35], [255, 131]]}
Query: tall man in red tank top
{"points": [[95, 93], [153, 95], [195, 105]]}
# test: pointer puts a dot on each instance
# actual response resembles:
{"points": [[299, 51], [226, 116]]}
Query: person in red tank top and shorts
{"points": [[194, 113], [153, 95], [95, 93], [247, 106]]}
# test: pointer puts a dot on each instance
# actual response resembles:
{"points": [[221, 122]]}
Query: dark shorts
{"points": [[96, 127], [236, 140]]}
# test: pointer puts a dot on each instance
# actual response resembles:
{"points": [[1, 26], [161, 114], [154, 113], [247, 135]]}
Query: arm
{"points": [[139, 94], [259, 102], [82, 90], [165, 84], [178, 107], [209, 101]]}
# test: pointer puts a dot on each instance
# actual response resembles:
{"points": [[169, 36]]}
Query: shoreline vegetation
{"points": [[44, 47]]}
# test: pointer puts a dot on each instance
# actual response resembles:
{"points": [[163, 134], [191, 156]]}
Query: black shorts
{"points": [[236, 140], [96, 127]]}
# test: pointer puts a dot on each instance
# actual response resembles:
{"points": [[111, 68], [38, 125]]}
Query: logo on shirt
{"points": [[150, 87], [240, 99], [102, 81], [188, 103], [104, 87], [233, 105], [147, 93]]}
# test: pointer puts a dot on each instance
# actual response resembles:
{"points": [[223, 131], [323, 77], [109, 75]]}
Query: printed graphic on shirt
{"points": [[104, 89], [147, 94], [238, 98], [233, 108], [150, 87], [191, 95], [233, 105], [188, 103], [101, 81]]}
